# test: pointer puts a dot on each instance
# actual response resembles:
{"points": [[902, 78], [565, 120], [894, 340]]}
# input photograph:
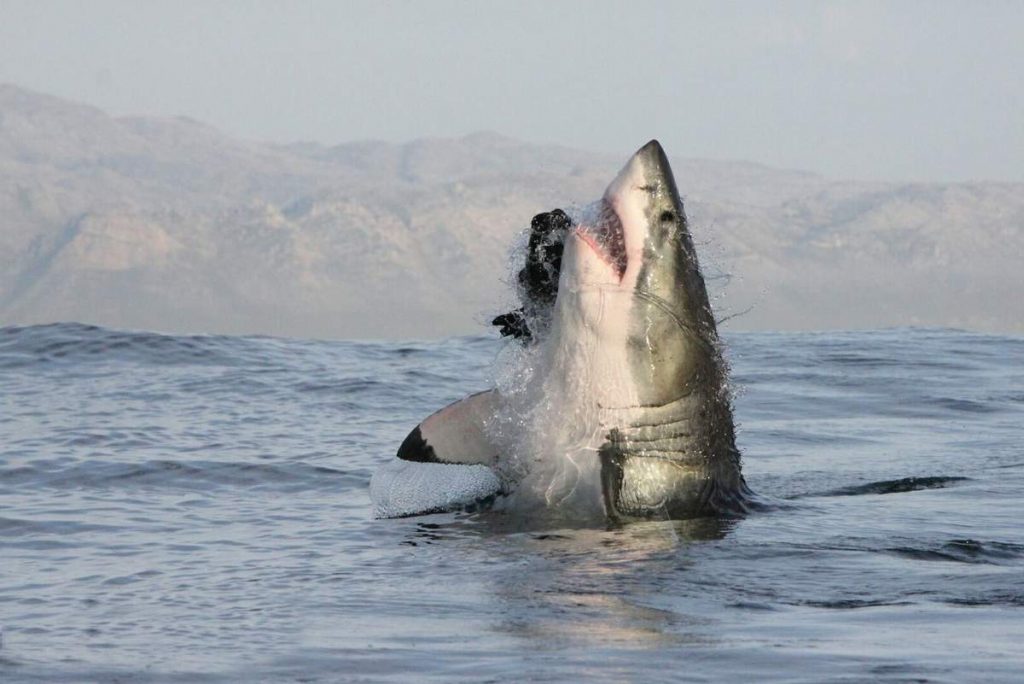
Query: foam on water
{"points": [[400, 488]]}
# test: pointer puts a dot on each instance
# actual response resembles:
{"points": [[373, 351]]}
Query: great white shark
{"points": [[625, 408]]}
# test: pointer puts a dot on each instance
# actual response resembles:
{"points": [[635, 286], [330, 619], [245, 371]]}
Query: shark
{"points": [[616, 403]]}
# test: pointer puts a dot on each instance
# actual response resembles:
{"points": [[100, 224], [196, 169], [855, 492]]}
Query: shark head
{"points": [[630, 282]]}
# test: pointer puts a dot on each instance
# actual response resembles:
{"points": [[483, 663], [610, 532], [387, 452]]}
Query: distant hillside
{"points": [[168, 224]]}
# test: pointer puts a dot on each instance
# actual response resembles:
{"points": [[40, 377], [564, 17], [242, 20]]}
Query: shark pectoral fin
{"points": [[454, 435], [443, 465]]}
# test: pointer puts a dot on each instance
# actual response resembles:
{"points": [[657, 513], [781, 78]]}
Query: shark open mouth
{"points": [[601, 228]]}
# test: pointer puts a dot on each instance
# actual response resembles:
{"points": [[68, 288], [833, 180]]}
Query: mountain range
{"points": [[169, 224]]}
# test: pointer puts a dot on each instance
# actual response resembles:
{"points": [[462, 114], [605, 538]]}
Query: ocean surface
{"points": [[196, 508]]}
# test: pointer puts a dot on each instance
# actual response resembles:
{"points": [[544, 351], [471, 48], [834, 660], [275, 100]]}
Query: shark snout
{"points": [[652, 155], [656, 170]]}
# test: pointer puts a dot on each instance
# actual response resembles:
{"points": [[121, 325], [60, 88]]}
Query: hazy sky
{"points": [[895, 90]]}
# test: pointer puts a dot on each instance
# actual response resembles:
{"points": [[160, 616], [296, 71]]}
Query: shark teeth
{"points": [[601, 228]]}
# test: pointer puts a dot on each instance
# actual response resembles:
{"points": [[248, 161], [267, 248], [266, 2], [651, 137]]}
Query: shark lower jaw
{"points": [[602, 231]]}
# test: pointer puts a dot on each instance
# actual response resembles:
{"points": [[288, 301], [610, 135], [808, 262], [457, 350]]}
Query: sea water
{"points": [[196, 508]]}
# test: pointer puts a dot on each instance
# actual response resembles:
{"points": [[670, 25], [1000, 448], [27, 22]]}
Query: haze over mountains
{"points": [[168, 224]]}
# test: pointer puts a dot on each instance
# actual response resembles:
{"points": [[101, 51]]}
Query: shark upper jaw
{"points": [[601, 230], [615, 228]]}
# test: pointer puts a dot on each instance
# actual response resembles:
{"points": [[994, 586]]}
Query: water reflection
{"points": [[586, 587]]}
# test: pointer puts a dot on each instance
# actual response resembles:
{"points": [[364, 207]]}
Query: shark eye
{"points": [[667, 216]]}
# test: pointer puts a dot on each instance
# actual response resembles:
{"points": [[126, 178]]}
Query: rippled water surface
{"points": [[196, 509]]}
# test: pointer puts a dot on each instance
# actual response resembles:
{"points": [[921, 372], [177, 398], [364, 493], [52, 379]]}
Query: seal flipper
{"points": [[513, 324], [454, 435], [538, 279]]}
